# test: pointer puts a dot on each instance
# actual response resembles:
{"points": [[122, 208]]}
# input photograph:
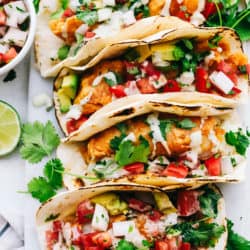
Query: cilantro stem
{"points": [[219, 13], [77, 175], [240, 19], [22, 192]]}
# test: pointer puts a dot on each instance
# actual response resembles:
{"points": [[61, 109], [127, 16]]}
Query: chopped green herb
{"points": [[130, 229], [233, 161], [36, 5], [116, 141], [239, 140], [122, 127], [186, 124], [57, 14], [125, 245], [109, 81], [234, 240], [188, 44], [87, 16], [242, 69], [178, 53], [165, 126], [131, 54], [213, 42], [64, 4], [133, 70]]}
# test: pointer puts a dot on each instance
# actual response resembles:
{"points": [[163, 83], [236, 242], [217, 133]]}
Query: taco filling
{"points": [[151, 147], [76, 22], [206, 66], [180, 220]]}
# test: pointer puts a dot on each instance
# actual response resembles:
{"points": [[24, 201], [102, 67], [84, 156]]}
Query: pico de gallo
{"points": [[208, 66], [141, 220], [14, 25], [148, 148]]}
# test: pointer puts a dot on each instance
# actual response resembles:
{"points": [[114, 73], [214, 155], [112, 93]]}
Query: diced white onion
{"points": [[42, 100], [75, 112], [170, 219], [4, 48], [123, 228], [100, 218], [221, 81], [132, 89], [109, 2], [82, 29], [104, 14], [186, 78], [130, 137], [18, 37], [197, 18], [196, 140]]}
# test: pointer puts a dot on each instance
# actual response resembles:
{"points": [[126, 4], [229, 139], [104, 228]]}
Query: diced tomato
{"points": [[161, 245], [84, 212], [102, 239], [233, 77], [145, 87], [89, 34], [51, 238], [86, 240], [235, 91], [155, 215], [68, 13], [150, 69], [187, 202], [201, 80], [129, 67], [174, 243], [57, 226], [185, 246], [2, 18], [213, 166], [210, 9], [10, 55], [172, 86], [139, 205], [93, 248], [175, 170], [135, 168], [248, 68], [118, 90], [224, 67], [183, 15], [73, 124]]}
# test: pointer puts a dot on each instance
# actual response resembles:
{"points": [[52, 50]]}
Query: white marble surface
{"points": [[14, 172]]}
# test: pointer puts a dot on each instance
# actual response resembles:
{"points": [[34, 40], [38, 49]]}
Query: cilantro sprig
{"points": [[45, 187], [234, 240], [38, 140]]}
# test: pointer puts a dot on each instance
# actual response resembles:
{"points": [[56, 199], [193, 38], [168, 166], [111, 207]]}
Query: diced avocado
{"points": [[70, 85], [111, 202], [64, 101], [163, 203], [168, 52], [144, 53]]}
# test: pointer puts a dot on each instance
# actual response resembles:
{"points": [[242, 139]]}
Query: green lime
{"points": [[10, 128]]}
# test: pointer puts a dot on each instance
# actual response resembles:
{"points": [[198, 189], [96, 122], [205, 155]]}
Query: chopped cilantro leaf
{"points": [[63, 52], [165, 126], [36, 5], [234, 240], [64, 3], [185, 123], [125, 245], [10, 76], [131, 54], [51, 217], [87, 16], [109, 81], [178, 53], [128, 153]]}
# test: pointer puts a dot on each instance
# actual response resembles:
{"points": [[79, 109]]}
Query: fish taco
{"points": [[209, 63], [133, 217], [159, 149]]}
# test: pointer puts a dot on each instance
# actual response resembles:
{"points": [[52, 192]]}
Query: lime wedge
{"points": [[10, 128]]}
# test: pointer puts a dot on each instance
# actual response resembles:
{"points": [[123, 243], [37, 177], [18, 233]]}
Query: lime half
{"points": [[10, 128]]}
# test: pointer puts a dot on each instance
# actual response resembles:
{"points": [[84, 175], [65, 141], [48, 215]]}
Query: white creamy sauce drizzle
{"points": [[165, 10], [109, 75], [196, 140], [197, 18], [213, 138], [132, 89], [154, 124]]}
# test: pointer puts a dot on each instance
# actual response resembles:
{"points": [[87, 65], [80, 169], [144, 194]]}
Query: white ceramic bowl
{"points": [[24, 51]]}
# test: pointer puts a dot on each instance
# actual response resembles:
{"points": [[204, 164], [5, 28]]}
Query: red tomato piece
{"points": [[84, 212], [102, 239], [224, 67], [235, 91], [187, 202], [233, 77], [213, 166], [135, 168], [161, 245], [172, 86], [145, 87], [94, 248], [2, 18], [118, 90], [68, 13], [248, 68], [183, 15], [150, 69], [185, 246], [89, 34], [57, 226], [174, 243], [73, 124], [10, 55], [51, 238], [139, 205], [210, 9], [155, 215], [86, 240], [201, 80], [174, 170]]}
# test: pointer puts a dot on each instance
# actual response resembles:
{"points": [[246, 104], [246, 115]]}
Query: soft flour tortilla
{"points": [[66, 203], [75, 167], [179, 103], [47, 44]]}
